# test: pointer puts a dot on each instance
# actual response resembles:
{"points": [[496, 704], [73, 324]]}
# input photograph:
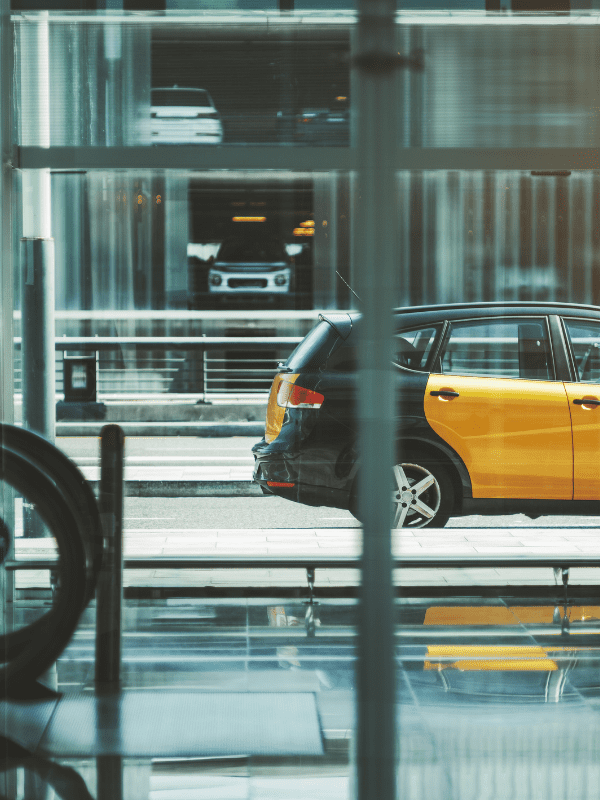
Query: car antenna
{"points": [[348, 285]]}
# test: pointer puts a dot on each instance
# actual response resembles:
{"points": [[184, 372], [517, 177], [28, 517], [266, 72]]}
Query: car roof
{"points": [[417, 315], [551, 306]]}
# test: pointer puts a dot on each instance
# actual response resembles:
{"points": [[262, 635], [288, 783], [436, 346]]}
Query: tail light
{"points": [[290, 395], [286, 394], [275, 414]]}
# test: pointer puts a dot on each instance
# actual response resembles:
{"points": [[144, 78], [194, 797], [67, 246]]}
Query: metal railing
{"points": [[174, 365]]}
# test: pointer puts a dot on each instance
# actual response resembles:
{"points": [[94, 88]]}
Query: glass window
{"points": [[413, 347], [516, 348], [584, 337], [252, 249], [180, 97]]}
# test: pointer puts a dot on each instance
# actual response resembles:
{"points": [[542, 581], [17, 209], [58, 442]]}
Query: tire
{"points": [[436, 498]]}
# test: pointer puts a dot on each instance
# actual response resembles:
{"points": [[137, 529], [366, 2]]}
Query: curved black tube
{"points": [[64, 500], [66, 782]]}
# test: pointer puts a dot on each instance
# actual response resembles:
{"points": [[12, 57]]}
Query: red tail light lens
{"points": [[290, 395]]}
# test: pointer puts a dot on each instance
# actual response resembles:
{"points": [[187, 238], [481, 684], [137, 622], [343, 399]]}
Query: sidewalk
{"points": [[183, 481], [219, 417], [341, 542], [199, 428]]}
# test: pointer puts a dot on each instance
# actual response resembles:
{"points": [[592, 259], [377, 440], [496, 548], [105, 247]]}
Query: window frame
{"points": [[569, 346], [440, 329], [493, 320]]}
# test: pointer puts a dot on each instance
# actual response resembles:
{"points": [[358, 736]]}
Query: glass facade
{"points": [[211, 211]]}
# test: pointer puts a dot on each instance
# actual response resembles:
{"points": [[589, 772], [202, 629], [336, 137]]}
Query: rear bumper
{"points": [[277, 470]]}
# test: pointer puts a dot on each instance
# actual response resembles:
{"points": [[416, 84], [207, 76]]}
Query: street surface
{"points": [[270, 526], [251, 512]]}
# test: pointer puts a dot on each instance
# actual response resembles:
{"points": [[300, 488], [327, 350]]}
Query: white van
{"points": [[184, 116]]}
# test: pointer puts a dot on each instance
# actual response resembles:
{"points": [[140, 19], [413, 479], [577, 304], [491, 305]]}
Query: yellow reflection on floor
{"points": [[499, 657], [506, 615], [490, 658]]}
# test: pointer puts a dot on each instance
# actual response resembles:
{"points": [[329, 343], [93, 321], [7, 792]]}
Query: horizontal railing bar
{"points": [[246, 371], [185, 342], [301, 20], [167, 342], [184, 316], [333, 562]]}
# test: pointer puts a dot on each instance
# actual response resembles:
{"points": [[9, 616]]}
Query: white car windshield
{"points": [[180, 97], [252, 250]]}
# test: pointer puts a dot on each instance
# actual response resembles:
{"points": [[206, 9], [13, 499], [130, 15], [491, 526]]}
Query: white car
{"points": [[251, 265], [184, 116]]}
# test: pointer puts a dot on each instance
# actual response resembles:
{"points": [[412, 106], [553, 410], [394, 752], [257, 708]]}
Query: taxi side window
{"points": [[515, 348], [412, 348], [584, 336]]}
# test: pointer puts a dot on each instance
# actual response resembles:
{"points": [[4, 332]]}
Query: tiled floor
{"points": [[505, 711]]}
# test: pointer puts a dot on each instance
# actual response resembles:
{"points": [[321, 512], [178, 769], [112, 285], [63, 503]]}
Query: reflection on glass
{"points": [[503, 81]]}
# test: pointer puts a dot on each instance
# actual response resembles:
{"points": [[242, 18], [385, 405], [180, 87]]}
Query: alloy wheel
{"points": [[416, 496]]}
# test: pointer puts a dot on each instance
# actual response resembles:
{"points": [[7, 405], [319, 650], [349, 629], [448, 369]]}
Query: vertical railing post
{"points": [[110, 583]]}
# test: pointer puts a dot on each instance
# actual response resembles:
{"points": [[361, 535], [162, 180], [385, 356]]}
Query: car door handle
{"points": [[584, 401], [448, 393]]}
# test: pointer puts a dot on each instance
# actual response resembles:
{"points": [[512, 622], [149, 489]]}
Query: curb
{"points": [[206, 429], [188, 488]]}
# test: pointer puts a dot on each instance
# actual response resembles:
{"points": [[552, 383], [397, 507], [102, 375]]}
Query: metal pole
{"points": [[6, 214], [109, 594], [374, 225], [37, 322], [110, 583], [37, 246], [37, 249], [8, 787]]}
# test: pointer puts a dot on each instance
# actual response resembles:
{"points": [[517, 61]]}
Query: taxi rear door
{"points": [[495, 400]]}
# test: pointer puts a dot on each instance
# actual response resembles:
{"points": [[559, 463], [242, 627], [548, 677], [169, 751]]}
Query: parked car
{"points": [[184, 116], [498, 412], [251, 265], [324, 126]]}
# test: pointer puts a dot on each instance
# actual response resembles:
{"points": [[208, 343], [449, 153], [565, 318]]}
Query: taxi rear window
{"points": [[499, 348], [314, 350]]}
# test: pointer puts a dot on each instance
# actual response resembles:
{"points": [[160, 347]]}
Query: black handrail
{"points": [[331, 562]]}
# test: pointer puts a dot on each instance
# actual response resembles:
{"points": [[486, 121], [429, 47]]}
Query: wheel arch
{"points": [[445, 455]]}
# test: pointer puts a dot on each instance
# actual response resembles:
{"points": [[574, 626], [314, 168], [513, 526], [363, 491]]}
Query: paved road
{"points": [[246, 512]]}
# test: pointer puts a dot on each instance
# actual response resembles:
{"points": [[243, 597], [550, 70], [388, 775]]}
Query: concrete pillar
{"points": [[176, 237], [325, 252]]}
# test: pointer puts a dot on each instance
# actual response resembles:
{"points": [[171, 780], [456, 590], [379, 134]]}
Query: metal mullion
{"points": [[8, 786], [190, 158], [376, 130]]}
